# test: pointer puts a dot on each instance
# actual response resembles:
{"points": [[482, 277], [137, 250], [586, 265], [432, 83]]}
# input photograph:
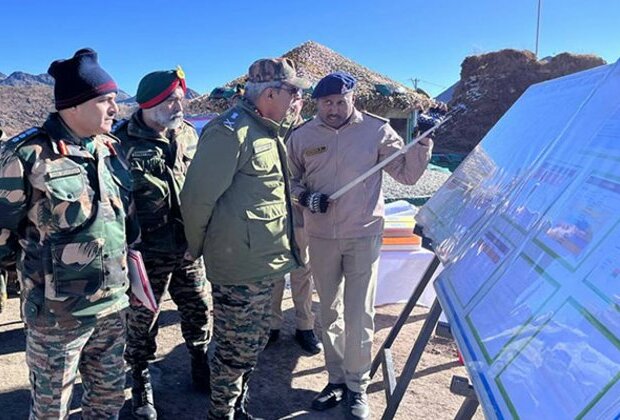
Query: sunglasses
{"points": [[295, 92]]}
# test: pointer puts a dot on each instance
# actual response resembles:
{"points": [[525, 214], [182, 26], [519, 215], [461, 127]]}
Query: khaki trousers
{"points": [[301, 290], [345, 274]]}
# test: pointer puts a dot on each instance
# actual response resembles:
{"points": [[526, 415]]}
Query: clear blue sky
{"points": [[215, 41]]}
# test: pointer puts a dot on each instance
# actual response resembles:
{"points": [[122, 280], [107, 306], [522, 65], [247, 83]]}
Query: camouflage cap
{"points": [[276, 70]]}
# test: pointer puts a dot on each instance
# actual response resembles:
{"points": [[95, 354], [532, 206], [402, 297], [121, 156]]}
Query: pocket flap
{"points": [[268, 212], [66, 184]]}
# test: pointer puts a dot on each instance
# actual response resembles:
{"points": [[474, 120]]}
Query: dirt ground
{"points": [[283, 384]]}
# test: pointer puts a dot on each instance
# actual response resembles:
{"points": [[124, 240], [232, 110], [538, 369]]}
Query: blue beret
{"points": [[337, 83]]}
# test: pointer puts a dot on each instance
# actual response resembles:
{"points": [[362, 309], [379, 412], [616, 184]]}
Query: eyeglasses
{"points": [[296, 93]]}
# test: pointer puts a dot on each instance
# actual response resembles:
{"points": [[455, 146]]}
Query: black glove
{"points": [[315, 201], [430, 119]]}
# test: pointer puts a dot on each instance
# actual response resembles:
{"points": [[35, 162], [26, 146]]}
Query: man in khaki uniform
{"points": [[344, 236], [302, 284], [236, 207]]}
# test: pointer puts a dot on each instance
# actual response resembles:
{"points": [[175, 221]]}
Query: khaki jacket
{"points": [[324, 159], [235, 201]]}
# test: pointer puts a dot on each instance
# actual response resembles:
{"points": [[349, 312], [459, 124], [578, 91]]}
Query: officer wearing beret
{"points": [[159, 146], [236, 208], [66, 217], [344, 236]]}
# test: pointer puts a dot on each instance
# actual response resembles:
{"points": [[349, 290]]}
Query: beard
{"points": [[170, 121]]}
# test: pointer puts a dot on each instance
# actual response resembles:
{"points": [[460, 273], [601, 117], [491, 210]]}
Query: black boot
{"points": [[142, 394], [201, 374], [241, 412]]}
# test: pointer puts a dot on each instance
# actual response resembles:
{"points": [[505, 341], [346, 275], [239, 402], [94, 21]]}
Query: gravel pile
{"points": [[426, 185], [314, 61]]}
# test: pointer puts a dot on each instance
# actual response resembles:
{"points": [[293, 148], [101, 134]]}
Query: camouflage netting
{"points": [[491, 83], [314, 61]]}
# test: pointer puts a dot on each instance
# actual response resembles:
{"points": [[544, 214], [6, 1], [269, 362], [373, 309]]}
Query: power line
{"points": [[415, 82], [538, 27]]}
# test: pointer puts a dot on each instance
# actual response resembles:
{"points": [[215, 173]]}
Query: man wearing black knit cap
{"points": [[344, 235], [66, 217], [159, 146]]}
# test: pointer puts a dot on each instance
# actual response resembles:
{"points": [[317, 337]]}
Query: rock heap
{"points": [[314, 61], [491, 83]]}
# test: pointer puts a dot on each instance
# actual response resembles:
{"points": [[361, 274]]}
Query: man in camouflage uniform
{"points": [[159, 146], [236, 208], [66, 217]]}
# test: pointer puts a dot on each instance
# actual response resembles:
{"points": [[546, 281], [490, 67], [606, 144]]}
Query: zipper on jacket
{"points": [[335, 182]]}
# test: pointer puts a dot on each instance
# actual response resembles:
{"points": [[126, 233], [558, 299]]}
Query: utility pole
{"points": [[538, 27], [412, 120]]}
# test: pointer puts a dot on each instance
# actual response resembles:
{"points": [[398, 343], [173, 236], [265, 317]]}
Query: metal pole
{"points": [[538, 27], [414, 122]]}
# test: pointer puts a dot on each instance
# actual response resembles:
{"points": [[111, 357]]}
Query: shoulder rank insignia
{"points": [[18, 140], [229, 122]]}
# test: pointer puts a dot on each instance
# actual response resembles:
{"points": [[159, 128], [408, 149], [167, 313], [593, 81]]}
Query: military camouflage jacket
{"points": [[158, 166], [235, 201], [66, 216]]}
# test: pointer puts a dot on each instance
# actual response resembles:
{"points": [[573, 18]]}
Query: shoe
{"points": [[274, 335], [329, 397], [143, 406], [244, 415], [241, 412], [358, 405], [308, 341], [201, 374]]}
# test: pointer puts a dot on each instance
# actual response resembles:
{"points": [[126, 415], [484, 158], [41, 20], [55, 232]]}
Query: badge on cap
{"points": [[180, 73]]}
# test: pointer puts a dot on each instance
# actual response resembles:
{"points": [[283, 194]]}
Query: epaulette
{"points": [[376, 116], [15, 142], [118, 124], [231, 120]]}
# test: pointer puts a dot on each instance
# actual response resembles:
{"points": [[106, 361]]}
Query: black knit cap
{"points": [[79, 79]]}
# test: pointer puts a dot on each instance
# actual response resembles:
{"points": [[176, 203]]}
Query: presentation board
{"points": [[528, 231]]}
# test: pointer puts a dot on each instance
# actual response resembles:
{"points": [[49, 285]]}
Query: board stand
{"points": [[395, 389], [461, 386]]}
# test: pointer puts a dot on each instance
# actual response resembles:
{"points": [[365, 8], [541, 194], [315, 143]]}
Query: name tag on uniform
{"points": [[143, 154], [63, 172], [261, 147], [315, 151]]}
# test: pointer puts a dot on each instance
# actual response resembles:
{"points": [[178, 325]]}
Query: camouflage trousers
{"points": [[241, 315], [187, 284], [54, 356]]}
